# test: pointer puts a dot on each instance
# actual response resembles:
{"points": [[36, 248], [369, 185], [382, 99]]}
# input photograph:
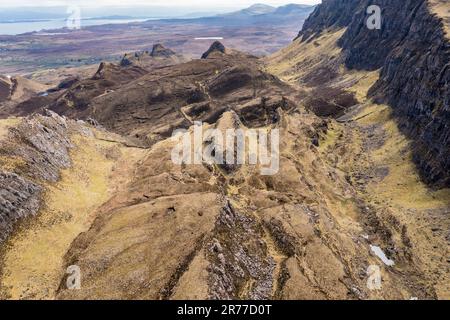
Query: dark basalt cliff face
{"points": [[331, 13], [414, 57]]}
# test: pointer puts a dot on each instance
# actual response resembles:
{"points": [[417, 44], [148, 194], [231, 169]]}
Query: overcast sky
{"points": [[184, 3]]}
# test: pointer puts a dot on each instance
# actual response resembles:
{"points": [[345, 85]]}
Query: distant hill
{"points": [[292, 9], [253, 10], [256, 14], [262, 11]]}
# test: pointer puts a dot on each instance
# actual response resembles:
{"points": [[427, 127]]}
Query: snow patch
{"points": [[380, 254]]}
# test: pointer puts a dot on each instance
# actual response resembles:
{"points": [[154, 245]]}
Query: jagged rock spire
{"points": [[217, 46]]}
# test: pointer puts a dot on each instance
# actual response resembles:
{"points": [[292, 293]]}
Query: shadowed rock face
{"points": [[160, 51], [413, 54], [5, 89], [217, 46], [331, 13]]}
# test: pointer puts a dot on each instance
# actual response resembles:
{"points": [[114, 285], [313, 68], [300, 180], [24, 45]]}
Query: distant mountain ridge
{"points": [[110, 12], [253, 10], [256, 14], [265, 11]]}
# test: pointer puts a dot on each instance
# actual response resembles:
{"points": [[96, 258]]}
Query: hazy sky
{"points": [[183, 3]]}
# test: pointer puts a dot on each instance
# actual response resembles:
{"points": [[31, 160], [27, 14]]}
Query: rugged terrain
{"points": [[249, 30], [88, 180]]}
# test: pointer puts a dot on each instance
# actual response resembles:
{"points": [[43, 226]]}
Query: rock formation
{"points": [[158, 57], [414, 74], [217, 46], [98, 188], [34, 153], [160, 51]]}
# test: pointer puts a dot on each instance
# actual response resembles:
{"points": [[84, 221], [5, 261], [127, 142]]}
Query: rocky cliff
{"points": [[33, 153], [346, 197], [413, 55]]}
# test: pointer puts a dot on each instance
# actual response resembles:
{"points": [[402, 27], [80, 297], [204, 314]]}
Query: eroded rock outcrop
{"points": [[31, 155], [217, 46], [19, 198], [159, 50], [159, 56]]}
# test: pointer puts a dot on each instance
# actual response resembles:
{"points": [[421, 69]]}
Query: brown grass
{"points": [[34, 259], [442, 9]]}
